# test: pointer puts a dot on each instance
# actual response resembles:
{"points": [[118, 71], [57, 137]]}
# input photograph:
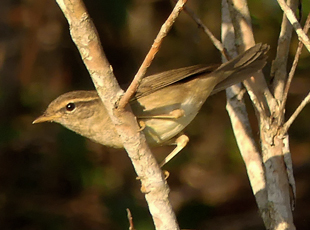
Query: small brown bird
{"points": [[165, 103]]}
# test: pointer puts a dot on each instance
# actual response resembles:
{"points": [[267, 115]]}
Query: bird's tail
{"points": [[241, 67]]}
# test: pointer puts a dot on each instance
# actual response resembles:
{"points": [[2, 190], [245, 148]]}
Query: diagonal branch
{"points": [[151, 54], [217, 43], [292, 71], [302, 105], [293, 20]]}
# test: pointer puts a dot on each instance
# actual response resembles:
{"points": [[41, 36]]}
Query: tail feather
{"points": [[243, 66]]}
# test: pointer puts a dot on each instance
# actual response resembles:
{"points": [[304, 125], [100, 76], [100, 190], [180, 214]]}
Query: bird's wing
{"points": [[158, 81]]}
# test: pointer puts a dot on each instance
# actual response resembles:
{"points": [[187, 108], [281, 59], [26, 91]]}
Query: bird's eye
{"points": [[70, 106]]}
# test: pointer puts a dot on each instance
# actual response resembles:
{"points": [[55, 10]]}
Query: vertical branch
{"points": [[240, 123], [85, 36], [278, 214], [281, 84], [256, 86], [278, 69]]}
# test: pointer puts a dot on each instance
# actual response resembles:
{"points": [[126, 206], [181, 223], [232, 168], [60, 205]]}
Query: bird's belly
{"points": [[160, 130], [165, 130]]}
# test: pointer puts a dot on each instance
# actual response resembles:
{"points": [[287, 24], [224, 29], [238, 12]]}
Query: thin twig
{"points": [[151, 54], [292, 18], [293, 69], [288, 124], [129, 216], [217, 43]]}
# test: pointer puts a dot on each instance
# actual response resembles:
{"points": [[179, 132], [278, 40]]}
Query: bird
{"points": [[164, 103]]}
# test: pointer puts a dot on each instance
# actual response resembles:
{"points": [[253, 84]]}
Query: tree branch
{"points": [[292, 72], [151, 54], [293, 20], [217, 43], [240, 122], [154, 185], [302, 105], [276, 211], [279, 65], [256, 86]]}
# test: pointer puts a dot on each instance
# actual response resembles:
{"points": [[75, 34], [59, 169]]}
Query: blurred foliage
{"points": [[51, 178]]}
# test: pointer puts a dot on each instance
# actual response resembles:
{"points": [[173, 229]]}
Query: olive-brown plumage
{"points": [[181, 90]]}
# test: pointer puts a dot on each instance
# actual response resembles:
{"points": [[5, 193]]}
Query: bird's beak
{"points": [[44, 118]]}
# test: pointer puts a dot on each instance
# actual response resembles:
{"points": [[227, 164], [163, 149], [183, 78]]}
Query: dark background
{"points": [[51, 178]]}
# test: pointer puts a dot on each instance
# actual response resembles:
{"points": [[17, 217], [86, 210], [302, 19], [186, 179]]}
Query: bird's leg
{"points": [[141, 124], [180, 141], [174, 114]]}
